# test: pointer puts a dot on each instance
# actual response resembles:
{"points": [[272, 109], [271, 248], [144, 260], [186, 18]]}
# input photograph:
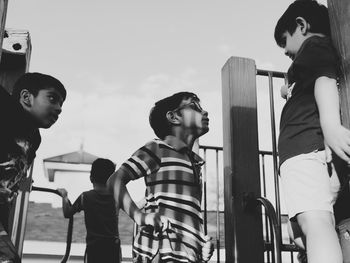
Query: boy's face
{"points": [[194, 118], [292, 42], [46, 107]]}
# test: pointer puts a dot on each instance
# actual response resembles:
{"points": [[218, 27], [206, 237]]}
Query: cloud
{"points": [[226, 49]]}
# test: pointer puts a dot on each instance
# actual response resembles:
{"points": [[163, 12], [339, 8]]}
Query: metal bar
{"points": [[275, 230], [217, 207], [275, 74], [264, 195], [70, 223], [205, 193], [274, 150]]}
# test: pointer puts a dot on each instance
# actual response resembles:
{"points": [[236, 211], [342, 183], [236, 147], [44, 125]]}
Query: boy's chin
{"points": [[46, 125], [204, 131]]}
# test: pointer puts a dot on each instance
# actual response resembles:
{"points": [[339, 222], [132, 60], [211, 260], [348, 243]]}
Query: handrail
{"points": [[70, 223], [274, 228]]}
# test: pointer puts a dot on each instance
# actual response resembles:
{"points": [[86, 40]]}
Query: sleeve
{"points": [[316, 59], [143, 162], [78, 204]]}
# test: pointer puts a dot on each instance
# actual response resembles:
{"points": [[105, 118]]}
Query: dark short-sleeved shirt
{"points": [[100, 215], [300, 129], [173, 188]]}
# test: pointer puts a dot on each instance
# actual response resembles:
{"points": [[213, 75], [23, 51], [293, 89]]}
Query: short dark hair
{"points": [[157, 116], [313, 12], [34, 82], [101, 170]]}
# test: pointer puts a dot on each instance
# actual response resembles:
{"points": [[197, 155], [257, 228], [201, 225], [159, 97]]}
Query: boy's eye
{"points": [[283, 42], [54, 99]]}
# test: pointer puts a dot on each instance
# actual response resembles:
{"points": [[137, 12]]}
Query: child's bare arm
{"points": [[337, 137], [117, 184], [66, 205]]}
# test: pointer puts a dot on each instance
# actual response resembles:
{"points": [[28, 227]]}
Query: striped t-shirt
{"points": [[173, 189]]}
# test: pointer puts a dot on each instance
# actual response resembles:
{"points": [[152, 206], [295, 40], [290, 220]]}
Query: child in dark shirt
{"points": [[310, 126], [36, 102], [101, 218]]}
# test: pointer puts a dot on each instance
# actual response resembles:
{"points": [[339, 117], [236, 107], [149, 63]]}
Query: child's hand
{"points": [[5, 195], [328, 152], [338, 139], [158, 222], [63, 192], [208, 249], [284, 91]]}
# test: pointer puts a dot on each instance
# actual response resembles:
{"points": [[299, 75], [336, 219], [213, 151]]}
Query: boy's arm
{"points": [[67, 207], [336, 136], [117, 184]]}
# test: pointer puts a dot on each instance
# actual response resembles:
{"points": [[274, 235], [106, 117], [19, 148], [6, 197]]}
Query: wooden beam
{"points": [[16, 51], [339, 14], [3, 11], [243, 227]]}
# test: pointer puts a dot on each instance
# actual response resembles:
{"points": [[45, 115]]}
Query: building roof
{"points": [[77, 157]]}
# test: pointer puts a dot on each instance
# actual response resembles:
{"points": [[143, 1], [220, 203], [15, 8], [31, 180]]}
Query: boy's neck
{"points": [[314, 34], [187, 138], [100, 187]]}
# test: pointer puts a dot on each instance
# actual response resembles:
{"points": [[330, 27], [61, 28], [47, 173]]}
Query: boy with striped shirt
{"points": [[171, 229]]}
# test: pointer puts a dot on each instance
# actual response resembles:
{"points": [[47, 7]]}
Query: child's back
{"points": [[100, 213]]}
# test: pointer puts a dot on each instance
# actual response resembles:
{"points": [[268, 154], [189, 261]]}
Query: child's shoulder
{"points": [[317, 44], [316, 52], [154, 143]]}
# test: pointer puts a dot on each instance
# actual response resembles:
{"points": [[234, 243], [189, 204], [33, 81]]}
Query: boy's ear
{"points": [[25, 98], [303, 24], [172, 117]]}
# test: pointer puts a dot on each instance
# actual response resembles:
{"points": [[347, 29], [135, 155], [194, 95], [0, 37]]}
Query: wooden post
{"points": [[3, 11], [16, 51], [339, 14], [243, 228]]}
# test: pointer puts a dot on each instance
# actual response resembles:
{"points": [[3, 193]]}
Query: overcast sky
{"points": [[116, 58]]}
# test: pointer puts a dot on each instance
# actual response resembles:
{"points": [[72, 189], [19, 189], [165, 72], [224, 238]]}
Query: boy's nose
{"points": [[58, 109]]}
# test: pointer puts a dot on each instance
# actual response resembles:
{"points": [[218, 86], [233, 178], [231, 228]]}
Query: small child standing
{"points": [[310, 126], [100, 212]]}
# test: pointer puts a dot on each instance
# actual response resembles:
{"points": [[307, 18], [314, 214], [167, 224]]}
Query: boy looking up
{"points": [[36, 102], [101, 219], [310, 123], [172, 225]]}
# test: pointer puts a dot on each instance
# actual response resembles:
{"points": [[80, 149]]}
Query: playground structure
{"points": [[247, 226]]}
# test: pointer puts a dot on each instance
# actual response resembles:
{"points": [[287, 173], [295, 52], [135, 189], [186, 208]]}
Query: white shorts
{"points": [[307, 184]]}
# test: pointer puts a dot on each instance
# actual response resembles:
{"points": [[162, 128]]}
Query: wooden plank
{"points": [[243, 228], [3, 11], [16, 51], [339, 14]]}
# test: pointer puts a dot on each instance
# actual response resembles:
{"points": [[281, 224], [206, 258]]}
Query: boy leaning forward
{"points": [[310, 126]]}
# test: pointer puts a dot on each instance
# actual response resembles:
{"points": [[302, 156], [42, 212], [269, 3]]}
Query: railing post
{"points": [[339, 14], [243, 229]]}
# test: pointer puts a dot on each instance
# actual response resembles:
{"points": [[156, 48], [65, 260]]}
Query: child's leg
{"points": [[322, 243], [309, 194], [344, 237], [296, 234]]}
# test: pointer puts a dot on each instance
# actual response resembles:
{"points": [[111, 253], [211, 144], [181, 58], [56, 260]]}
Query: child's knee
{"points": [[343, 229]]}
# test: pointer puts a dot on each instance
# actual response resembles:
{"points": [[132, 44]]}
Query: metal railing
{"points": [[70, 223]]}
